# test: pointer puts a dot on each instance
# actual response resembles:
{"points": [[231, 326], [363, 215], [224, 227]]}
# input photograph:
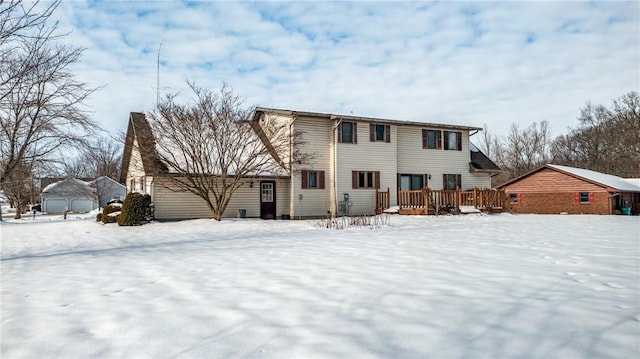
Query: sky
{"points": [[465, 63]]}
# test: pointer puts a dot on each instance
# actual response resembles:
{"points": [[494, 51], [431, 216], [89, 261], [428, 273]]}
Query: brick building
{"points": [[553, 189]]}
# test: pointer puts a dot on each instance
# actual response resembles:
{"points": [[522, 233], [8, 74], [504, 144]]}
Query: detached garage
{"points": [[69, 195], [553, 189]]}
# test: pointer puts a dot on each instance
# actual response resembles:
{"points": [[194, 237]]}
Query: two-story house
{"points": [[352, 157]]}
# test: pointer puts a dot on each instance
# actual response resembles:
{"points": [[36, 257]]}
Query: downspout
{"points": [[335, 167], [292, 189]]}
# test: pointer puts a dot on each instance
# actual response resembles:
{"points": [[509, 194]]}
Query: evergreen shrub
{"points": [[106, 218], [136, 210]]}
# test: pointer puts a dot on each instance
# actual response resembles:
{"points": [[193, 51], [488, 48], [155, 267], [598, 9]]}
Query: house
{"points": [[107, 189], [556, 189], [70, 194], [353, 157]]}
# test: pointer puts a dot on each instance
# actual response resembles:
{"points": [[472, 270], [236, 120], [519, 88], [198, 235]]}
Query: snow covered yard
{"points": [[447, 287]]}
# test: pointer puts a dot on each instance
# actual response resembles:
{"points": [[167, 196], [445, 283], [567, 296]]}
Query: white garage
{"points": [[69, 194]]}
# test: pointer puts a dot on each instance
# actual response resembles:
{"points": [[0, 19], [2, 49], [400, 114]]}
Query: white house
{"points": [[352, 157]]}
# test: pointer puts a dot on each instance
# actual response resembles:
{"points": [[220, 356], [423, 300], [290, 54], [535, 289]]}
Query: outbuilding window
{"points": [[585, 197]]}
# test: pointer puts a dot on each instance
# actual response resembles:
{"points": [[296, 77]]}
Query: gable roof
{"points": [[330, 116], [140, 130], [69, 187], [602, 179], [103, 179]]}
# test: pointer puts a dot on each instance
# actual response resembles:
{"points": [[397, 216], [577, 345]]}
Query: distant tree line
{"points": [[606, 139]]}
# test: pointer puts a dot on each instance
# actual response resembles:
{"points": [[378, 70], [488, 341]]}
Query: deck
{"points": [[433, 202]]}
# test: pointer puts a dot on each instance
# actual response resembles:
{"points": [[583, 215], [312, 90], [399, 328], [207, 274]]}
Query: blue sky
{"points": [[468, 63]]}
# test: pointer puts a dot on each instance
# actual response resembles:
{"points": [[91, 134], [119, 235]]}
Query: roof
{"points": [[480, 162], [140, 130], [330, 116], [69, 186], [105, 179], [610, 181]]}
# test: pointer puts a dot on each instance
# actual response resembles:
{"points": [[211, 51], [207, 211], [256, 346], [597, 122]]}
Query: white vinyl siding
{"points": [[412, 158], [366, 156], [317, 137], [185, 205], [136, 169]]}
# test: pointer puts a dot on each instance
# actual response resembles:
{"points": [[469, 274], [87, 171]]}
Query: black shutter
{"points": [[459, 137], [387, 134], [355, 132], [354, 179], [372, 132], [321, 179], [444, 182], [439, 140], [376, 179], [424, 138]]}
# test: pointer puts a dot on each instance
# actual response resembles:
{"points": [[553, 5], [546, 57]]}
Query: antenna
{"points": [[158, 78]]}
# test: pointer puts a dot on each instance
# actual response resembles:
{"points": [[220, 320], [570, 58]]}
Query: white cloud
{"points": [[463, 63]]}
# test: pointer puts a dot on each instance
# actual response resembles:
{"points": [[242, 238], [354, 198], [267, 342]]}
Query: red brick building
{"points": [[553, 189]]}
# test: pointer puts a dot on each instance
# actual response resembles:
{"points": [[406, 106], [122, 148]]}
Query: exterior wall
{"points": [[136, 170], [413, 159], [553, 192], [561, 202], [366, 156], [50, 203], [317, 137], [171, 204]]}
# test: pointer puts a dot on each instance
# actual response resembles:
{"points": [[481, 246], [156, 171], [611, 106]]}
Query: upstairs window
{"points": [[379, 133], [453, 141], [451, 181], [365, 179], [348, 132], [312, 179], [432, 139]]}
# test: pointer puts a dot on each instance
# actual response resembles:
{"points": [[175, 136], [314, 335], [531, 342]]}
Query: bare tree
{"points": [[606, 139], [523, 150], [100, 158], [41, 102], [211, 147]]}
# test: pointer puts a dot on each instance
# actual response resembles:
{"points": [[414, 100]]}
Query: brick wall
{"points": [[554, 203]]}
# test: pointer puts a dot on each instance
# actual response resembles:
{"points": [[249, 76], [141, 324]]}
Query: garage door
{"points": [[54, 205], [81, 205]]}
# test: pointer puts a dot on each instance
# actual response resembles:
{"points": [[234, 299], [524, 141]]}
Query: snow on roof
{"points": [[633, 181], [605, 179]]}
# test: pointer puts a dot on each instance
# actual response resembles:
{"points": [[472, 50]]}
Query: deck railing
{"points": [[428, 201], [382, 200]]}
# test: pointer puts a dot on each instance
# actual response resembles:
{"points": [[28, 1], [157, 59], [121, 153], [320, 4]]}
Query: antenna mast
{"points": [[158, 78]]}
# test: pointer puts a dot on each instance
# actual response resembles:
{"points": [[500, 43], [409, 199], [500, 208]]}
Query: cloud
{"points": [[458, 63]]}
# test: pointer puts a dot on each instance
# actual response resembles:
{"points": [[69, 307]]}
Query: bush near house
{"points": [[105, 217], [136, 210]]}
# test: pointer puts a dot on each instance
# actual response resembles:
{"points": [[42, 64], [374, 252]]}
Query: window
{"points": [[412, 182], [451, 181], [142, 182], [312, 179], [132, 184], [585, 197], [365, 179], [432, 139], [514, 197], [379, 133], [348, 132], [453, 141], [266, 194]]}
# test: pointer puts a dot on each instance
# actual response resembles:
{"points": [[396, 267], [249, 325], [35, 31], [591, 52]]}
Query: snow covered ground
{"points": [[448, 287]]}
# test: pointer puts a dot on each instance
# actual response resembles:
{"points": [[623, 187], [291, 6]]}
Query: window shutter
{"points": [[321, 179], [354, 179], [590, 197], [459, 137], [387, 134], [519, 198], [372, 132], [305, 179], [439, 140], [424, 138], [355, 132], [376, 179], [425, 181], [444, 182], [458, 182], [339, 128], [446, 140], [577, 197]]}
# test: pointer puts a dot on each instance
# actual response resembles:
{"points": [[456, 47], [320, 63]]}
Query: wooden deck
{"points": [[427, 201]]}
